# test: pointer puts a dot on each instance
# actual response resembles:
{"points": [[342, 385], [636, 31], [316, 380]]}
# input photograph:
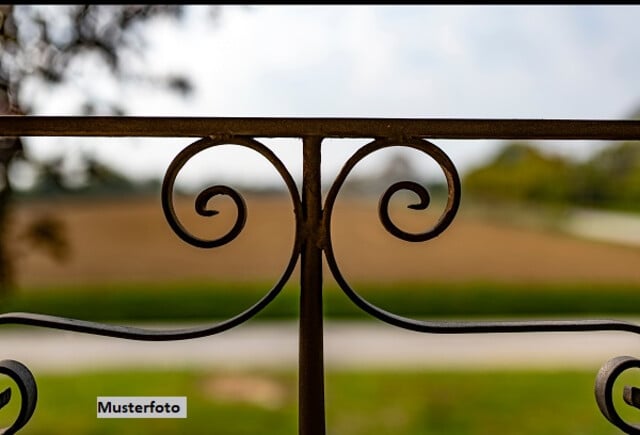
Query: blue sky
{"points": [[372, 61]]}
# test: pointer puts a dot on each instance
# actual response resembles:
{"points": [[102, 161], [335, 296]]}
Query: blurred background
{"points": [[546, 229]]}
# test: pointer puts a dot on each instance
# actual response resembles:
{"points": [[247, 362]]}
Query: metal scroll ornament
{"points": [[201, 208], [21, 375], [133, 333], [23, 378], [605, 381], [317, 232], [447, 216]]}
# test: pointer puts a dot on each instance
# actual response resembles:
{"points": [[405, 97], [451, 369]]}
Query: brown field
{"points": [[129, 240]]}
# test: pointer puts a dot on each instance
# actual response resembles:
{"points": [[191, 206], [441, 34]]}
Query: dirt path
{"points": [[615, 227], [116, 241]]}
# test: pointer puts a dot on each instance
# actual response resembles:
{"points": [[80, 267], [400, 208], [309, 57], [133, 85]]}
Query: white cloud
{"points": [[404, 61]]}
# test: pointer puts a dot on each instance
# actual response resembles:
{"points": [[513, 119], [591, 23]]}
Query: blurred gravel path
{"points": [[607, 226], [348, 345]]}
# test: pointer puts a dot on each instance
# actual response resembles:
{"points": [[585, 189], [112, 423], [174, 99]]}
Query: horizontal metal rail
{"points": [[312, 219], [562, 129]]}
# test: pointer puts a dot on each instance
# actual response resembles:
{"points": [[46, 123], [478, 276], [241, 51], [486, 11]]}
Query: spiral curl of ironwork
{"points": [[201, 208], [605, 381], [451, 208], [450, 172], [203, 197], [26, 383]]}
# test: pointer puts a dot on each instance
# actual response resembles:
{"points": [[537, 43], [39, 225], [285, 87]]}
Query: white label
{"points": [[142, 407]]}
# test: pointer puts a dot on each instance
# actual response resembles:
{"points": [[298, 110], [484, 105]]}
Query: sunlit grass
{"points": [[358, 403]]}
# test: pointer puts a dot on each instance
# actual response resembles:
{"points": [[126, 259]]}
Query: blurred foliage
{"points": [[522, 172], [47, 233], [40, 44], [92, 179], [612, 177], [41, 47]]}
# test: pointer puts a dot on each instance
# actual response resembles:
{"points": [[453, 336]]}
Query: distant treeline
{"points": [[96, 179], [520, 171]]}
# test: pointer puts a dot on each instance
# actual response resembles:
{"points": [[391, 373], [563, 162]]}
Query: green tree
{"points": [[611, 177], [522, 172]]}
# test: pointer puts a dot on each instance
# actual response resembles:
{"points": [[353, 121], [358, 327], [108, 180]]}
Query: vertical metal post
{"points": [[311, 362]]}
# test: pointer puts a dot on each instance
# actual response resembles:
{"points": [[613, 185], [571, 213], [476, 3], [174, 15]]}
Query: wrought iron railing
{"points": [[313, 229]]}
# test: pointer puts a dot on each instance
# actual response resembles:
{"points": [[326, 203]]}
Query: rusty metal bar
{"points": [[561, 129], [311, 362]]}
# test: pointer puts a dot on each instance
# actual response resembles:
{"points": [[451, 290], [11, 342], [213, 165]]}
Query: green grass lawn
{"points": [[202, 301], [358, 403]]}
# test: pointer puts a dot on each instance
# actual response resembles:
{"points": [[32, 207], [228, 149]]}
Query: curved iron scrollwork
{"points": [[609, 372], [134, 333], [451, 208], [207, 194], [447, 216], [318, 234], [605, 381], [23, 378]]}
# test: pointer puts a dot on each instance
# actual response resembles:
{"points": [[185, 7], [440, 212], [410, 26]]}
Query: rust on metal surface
{"points": [[311, 360], [568, 129]]}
